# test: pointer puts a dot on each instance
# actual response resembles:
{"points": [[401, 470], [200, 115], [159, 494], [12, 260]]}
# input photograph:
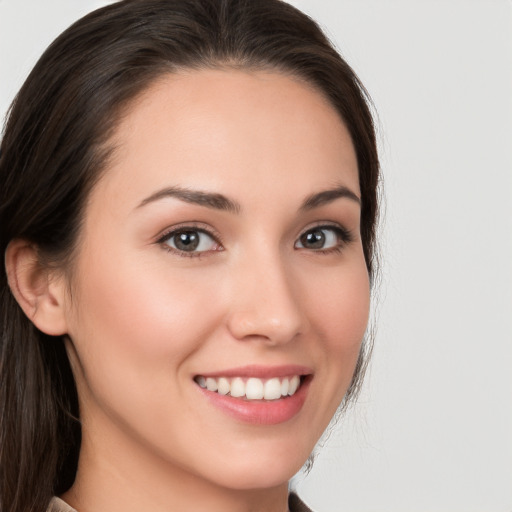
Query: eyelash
{"points": [[343, 235]]}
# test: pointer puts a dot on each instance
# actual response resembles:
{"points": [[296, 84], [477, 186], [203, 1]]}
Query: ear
{"points": [[39, 291]]}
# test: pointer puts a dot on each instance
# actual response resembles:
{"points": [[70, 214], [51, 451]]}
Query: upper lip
{"points": [[262, 372]]}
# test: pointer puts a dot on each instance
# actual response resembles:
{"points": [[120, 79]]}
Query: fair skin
{"points": [[260, 284]]}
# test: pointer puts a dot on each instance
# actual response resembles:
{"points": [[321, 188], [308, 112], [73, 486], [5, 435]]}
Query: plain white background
{"points": [[433, 429]]}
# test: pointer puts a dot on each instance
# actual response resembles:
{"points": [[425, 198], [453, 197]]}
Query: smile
{"points": [[259, 395], [251, 388]]}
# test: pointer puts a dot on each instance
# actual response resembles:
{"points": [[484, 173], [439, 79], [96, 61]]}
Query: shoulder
{"points": [[295, 504], [57, 505]]}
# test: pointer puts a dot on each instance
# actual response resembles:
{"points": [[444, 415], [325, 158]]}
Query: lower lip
{"points": [[260, 412]]}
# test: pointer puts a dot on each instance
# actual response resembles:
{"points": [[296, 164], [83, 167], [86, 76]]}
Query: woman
{"points": [[188, 210]]}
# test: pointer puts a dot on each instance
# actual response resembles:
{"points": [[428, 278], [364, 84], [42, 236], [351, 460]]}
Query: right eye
{"points": [[191, 241]]}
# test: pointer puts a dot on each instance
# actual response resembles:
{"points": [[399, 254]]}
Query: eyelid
{"points": [[189, 225]]}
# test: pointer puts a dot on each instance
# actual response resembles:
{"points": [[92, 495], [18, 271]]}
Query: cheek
{"points": [[341, 308], [340, 312], [337, 303], [138, 326]]}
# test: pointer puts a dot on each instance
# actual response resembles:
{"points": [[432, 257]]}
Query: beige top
{"points": [[294, 503], [57, 505]]}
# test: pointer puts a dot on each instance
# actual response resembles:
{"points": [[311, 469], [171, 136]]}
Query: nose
{"points": [[266, 302]]}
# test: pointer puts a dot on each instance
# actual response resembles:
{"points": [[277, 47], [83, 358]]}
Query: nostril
{"points": [[255, 325]]}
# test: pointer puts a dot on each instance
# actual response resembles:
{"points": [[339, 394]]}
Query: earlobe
{"points": [[38, 290]]}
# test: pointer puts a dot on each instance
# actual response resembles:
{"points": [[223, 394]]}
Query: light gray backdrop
{"points": [[433, 429]]}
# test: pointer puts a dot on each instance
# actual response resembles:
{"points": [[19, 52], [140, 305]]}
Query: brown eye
{"points": [[190, 241], [313, 239], [326, 237]]}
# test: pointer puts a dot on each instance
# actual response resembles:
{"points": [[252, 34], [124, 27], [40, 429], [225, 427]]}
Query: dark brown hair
{"points": [[54, 147]]}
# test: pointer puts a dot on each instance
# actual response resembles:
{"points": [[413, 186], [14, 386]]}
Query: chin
{"points": [[259, 468], [259, 477]]}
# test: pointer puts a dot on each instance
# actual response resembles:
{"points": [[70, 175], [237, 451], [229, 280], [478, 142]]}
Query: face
{"points": [[219, 292]]}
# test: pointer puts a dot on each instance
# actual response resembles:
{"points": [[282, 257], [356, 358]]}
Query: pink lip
{"points": [[261, 412], [261, 372]]}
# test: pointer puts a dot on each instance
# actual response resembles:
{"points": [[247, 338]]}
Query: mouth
{"points": [[252, 388], [257, 395]]}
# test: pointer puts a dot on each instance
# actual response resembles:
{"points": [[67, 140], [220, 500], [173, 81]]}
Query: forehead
{"points": [[236, 132]]}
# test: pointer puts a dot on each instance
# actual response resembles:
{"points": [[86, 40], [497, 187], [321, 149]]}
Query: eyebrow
{"points": [[208, 199], [221, 202], [328, 196]]}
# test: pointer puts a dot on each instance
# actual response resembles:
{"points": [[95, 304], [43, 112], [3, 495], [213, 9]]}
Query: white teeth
{"points": [[237, 387], [253, 388], [211, 384], [223, 386], [284, 386], [294, 384], [272, 389]]}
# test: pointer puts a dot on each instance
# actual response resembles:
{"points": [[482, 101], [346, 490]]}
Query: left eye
{"points": [[190, 240], [319, 238]]}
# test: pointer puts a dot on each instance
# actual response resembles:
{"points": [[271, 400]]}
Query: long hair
{"points": [[55, 146]]}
